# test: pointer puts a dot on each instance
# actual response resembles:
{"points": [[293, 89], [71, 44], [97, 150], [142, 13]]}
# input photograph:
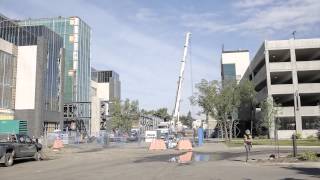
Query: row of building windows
{"points": [[288, 123]]}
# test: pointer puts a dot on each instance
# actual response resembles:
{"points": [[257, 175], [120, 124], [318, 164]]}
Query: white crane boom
{"points": [[178, 95]]}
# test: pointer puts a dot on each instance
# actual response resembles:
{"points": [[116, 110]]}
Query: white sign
{"points": [[150, 136]]}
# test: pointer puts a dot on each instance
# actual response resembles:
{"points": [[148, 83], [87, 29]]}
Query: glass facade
{"points": [[7, 63], [29, 36], [52, 80], [228, 72], [76, 35]]}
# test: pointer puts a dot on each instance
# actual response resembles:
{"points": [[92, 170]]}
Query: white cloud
{"points": [[146, 14], [264, 16], [252, 3]]}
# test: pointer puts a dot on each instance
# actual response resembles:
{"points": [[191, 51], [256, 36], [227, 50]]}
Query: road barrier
{"points": [[184, 144], [157, 144]]}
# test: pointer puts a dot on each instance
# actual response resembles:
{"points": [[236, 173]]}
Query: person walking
{"points": [[247, 138]]}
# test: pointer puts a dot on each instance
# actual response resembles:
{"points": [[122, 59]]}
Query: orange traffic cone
{"points": [[184, 144], [157, 144], [57, 145]]}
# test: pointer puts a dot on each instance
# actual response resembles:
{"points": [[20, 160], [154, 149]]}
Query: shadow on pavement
{"points": [[312, 171], [21, 161]]}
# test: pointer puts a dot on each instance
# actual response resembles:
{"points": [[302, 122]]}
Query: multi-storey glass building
{"points": [[8, 60], [76, 36], [32, 69]]}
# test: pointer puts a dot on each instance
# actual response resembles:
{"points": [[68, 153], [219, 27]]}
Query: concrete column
{"points": [[272, 128], [297, 105], [268, 73], [39, 108], [61, 87]]}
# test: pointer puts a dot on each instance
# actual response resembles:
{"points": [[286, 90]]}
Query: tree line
{"points": [[223, 100], [125, 114]]}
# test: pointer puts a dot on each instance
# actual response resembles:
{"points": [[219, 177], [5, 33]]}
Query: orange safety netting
{"points": [[157, 144]]}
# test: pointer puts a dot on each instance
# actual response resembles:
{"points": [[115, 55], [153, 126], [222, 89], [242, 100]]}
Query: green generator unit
{"points": [[14, 126]]}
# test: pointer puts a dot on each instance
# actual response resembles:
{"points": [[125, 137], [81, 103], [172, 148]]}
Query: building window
{"points": [[49, 127], [286, 123], [229, 71], [310, 122]]}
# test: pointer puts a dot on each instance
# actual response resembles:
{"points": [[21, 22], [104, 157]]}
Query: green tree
{"points": [[187, 120], [248, 99], [227, 103], [222, 101], [163, 113], [123, 114], [269, 111], [205, 97]]}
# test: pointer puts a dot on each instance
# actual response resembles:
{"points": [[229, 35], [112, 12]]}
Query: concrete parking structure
{"points": [[288, 71]]}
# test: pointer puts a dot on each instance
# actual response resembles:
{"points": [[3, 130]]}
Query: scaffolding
{"points": [[75, 118]]}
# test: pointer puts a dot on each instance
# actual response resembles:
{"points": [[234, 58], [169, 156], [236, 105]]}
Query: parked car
{"points": [[133, 136], [16, 146]]}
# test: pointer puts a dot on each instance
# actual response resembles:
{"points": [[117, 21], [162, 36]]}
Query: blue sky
{"points": [[143, 40]]}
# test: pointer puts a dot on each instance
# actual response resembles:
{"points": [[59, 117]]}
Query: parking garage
{"points": [[308, 54], [294, 71], [281, 77], [282, 55]]}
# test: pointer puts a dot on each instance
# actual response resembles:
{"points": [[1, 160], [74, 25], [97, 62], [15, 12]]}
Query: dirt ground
{"points": [[132, 161]]}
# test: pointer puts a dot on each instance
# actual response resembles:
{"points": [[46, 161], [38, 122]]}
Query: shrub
{"points": [[309, 156], [299, 135], [311, 137], [263, 137]]}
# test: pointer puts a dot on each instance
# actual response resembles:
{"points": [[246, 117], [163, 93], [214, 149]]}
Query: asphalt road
{"points": [[134, 162]]}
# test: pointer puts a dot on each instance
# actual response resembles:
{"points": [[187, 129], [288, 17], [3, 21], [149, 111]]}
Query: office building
{"points": [[234, 64], [8, 60], [76, 35], [105, 90], [288, 72], [35, 77]]}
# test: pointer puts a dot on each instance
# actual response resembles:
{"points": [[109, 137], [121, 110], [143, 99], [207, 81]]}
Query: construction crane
{"points": [[175, 122]]}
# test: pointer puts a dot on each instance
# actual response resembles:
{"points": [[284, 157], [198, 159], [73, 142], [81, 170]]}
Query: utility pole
{"points": [[175, 117]]}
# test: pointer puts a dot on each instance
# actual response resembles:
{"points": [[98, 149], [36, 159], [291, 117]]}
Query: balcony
{"points": [[282, 89]]}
